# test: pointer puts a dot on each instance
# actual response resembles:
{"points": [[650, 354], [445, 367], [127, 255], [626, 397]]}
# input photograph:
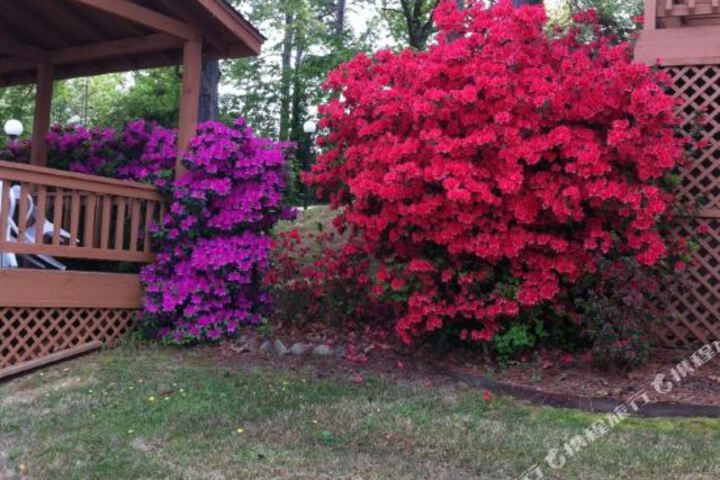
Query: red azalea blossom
{"points": [[567, 358], [492, 171]]}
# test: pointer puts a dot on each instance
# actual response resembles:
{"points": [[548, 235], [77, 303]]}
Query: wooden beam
{"points": [[14, 65], [143, 16], [153, 43], [41, 124], [234, 22], [51, 177], [25, 23], [679, 46], [116, 48], [189, 99], [211, 34], [56, 289], [13, 48], [650, 15], [66, 354]]}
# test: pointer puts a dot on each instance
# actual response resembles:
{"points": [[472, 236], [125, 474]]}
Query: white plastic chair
{"points": [[12, 235], [8, 260], [31, 230]]}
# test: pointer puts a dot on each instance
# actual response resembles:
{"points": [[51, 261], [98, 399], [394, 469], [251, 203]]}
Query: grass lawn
{"points": [[162, 413]]}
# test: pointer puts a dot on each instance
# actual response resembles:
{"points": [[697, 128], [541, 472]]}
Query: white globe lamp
{"points": [[309, 127], [13, 128]]}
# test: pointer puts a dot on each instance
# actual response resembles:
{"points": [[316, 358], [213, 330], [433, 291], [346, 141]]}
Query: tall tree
{"points": [[153, 95], [616, 17], [410, 20], [278, 91], [286, 71], [340, 18], [209, 108]]}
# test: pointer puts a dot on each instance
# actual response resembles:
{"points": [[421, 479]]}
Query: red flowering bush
{"points": [[323, 276], [489, 173], [615, 313]]}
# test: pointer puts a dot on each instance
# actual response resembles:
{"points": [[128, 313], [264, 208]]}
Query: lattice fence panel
{"points": [[695, 312], [30, 333]]}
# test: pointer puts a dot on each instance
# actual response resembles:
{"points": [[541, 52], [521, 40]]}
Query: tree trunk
{"points": [[296, 109], [340, 19], [419, 29], [209, 96], [297, 115], [286, 76]]}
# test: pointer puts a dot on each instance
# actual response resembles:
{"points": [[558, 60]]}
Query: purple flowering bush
{"points": [[142, 151], [213, 245]]}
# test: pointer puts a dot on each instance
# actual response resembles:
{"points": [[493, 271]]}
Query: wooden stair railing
{"points": [[106, 219]]}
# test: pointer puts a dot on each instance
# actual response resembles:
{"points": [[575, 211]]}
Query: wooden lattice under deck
{"points": [[47, 314], [30, 333], [695, 312]]}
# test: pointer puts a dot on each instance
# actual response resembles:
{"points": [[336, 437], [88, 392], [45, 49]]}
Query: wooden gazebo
{"points": [[46, 40], [44, 314]]}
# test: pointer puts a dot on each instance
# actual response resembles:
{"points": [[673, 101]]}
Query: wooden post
{"points": [[41, 124], [189, 99], [650, 14]]}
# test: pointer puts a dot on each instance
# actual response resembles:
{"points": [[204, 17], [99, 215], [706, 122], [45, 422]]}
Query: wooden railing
{"points": [[682, 13], [684, 8], [82, 216]]}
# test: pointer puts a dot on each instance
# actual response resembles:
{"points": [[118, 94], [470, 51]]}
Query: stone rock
{"points": [[266, 347], [280, 348], [299, 349], [242, 344], [322, 350]]}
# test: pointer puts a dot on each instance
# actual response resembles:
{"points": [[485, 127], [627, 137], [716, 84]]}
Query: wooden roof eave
{"points": [[165, 39]]}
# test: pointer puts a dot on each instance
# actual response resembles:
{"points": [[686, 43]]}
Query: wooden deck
{"points": [[44, 313], [680, 32]]}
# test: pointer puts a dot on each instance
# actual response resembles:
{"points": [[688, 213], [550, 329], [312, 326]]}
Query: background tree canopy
{"points": [[276, 92]]}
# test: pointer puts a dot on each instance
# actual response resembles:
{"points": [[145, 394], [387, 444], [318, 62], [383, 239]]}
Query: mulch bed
{"points": [[701, 387], [572, 400], [549, 379]]}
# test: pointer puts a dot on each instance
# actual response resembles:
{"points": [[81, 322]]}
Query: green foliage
{"points": [[257, 101], [519, 336], [90, 100], [615, 16], [104, 100], [277, 91], [618, 307], [154, 95], [409, 21], [17, 102]]}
